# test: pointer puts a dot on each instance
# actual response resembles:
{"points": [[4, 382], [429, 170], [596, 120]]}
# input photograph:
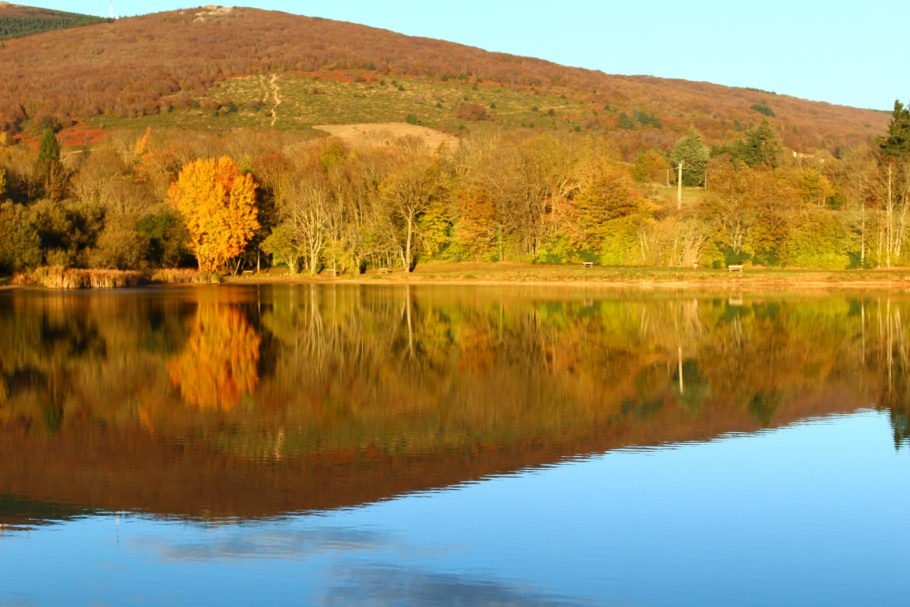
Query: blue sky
{"points": [[848, 53]]}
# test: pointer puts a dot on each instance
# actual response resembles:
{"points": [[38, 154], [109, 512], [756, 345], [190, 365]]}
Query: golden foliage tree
{"points": [[218, 204]]}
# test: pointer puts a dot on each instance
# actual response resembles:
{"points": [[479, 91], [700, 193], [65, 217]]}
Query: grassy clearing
{"points": [[691, 197], [367, 97], [383, 134]]}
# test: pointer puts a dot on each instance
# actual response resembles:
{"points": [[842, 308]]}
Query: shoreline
{"points": [[574, 277], [503, 274]]}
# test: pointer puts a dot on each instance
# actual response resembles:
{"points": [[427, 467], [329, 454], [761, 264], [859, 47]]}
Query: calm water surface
{"points": [[296, 445]]}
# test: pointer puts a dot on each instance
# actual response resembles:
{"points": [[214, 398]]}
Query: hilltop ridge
{"points": [[169, 62]]}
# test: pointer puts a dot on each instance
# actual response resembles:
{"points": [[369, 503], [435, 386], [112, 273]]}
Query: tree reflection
{"points": [[886, 349], [388, 389], [219, 363]]}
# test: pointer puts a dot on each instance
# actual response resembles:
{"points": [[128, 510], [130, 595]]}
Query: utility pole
{"points": [[679, 186]]}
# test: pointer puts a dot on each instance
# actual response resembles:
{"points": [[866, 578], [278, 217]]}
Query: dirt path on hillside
{"points": [[276, 95]]}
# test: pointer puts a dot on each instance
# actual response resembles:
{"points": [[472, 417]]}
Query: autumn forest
{"points": [[225, 168]]}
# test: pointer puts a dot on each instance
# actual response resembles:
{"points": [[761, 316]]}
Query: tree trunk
{"points": [[408, 257]]}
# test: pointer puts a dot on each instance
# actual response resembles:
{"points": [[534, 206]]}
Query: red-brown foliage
{"points": [[149, 64]]}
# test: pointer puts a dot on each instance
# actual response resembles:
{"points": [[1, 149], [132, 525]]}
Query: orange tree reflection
{"points": [[219, 365]]}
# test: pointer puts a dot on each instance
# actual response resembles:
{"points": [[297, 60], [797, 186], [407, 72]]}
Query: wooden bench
{"points": [[735, 267], [383, 271], [588, 264]]}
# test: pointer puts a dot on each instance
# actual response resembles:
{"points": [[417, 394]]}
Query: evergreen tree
{"points": [[49, 169], [694, 155], [895, 148], [897, 143], [761, 146]]}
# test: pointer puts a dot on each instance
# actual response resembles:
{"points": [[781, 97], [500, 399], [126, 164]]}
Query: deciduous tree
{"points": [[218, 204], [408, 193]]}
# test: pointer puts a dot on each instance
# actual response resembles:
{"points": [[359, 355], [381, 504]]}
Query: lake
{"points": [[377, 445]]}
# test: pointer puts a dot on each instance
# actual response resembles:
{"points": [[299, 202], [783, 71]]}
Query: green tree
{"points": [[895, 149], [896, 143], [49, 170], [694, 156], [167, 238], [20, 245], [760, 146]]}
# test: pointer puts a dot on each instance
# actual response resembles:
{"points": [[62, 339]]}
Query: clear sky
{"points": [[839, 51]]}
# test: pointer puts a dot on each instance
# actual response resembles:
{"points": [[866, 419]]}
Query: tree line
{"points": [[252, 200], [39, 20]]}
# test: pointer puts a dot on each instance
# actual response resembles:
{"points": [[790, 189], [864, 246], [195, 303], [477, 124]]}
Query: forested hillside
{"points": [[17, 21], [192, 138], [161, 63]]}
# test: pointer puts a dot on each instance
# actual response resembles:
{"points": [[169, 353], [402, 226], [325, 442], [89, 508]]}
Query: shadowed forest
{"points": [[319, 397]]}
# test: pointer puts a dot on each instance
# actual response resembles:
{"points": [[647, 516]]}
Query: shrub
{"points": [[763, 108], [471, 111]]}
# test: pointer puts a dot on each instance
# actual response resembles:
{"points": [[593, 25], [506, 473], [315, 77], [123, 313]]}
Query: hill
{"points": [[17, 21], [189, 67]]}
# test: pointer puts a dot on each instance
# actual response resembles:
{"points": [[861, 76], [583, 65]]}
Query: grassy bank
{"points": [[608, 277], [502, 274]]}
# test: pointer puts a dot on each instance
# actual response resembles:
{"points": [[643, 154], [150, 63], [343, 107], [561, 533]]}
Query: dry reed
{"points": [[183, 276], [58, 277]]}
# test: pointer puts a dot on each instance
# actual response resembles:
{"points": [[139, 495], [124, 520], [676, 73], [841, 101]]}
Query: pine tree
{"points": [[897, 143], [694, 155], [761, 146], [49, 169]]}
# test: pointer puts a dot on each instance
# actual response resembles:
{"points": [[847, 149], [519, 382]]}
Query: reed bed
{"points": [[58, 277], [183, 276]]}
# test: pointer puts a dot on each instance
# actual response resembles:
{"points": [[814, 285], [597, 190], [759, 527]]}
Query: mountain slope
{"points": [[168, 62]]}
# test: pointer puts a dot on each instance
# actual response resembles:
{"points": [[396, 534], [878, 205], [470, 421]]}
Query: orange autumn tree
{"points": [[218, 204]]}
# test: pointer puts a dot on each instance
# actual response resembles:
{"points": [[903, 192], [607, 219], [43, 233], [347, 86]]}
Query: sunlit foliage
{"points": [[218, 204]]}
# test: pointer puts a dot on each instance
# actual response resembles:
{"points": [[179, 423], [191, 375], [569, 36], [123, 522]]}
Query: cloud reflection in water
{"points": [[390, 585]]}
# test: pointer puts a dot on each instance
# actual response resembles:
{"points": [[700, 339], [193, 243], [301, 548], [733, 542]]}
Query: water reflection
{"points": [[218, 364], [252, 402], [398, 586]]}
